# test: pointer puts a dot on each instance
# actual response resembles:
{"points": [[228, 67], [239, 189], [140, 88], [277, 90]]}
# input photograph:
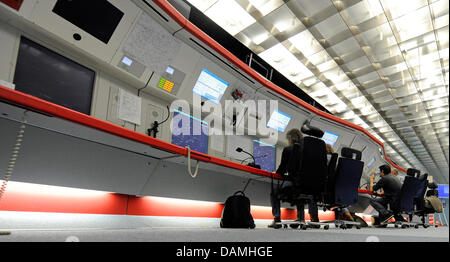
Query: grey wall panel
{"points": [[51, 158], [172, 180]]}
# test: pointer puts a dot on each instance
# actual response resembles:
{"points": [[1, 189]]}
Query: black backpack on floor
{"points": [[236, 212]]}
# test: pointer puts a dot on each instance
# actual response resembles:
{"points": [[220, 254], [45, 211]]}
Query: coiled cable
{"points": [[193, 175], [13, 158]]}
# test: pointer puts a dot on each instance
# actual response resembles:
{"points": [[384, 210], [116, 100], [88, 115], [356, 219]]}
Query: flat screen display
{"points": [[190, 131], [371, 162], [265, 155], [443, 191], [279, 121], [330, 138], [99, 18], [45, 74], [210, 86]]}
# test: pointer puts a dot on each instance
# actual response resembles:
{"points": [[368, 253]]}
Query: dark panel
{"points": [[99, 17], [45, 74]]}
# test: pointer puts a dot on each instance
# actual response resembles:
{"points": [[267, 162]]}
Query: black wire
{"points": [[168, 114]]}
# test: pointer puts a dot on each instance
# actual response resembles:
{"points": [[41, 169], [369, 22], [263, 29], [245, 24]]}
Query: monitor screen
{"points": [[265, 155], [443, 191], [189, 131], [45, 74], [278, 121], [371, 162], [330, 138], [99, 18], [210, 87]]}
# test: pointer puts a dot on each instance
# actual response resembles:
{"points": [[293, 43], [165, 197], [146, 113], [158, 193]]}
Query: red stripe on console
{"points": [[25, 197], [41, 198]]}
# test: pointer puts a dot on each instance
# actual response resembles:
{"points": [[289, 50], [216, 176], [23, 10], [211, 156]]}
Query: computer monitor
{"points": [[278, 121], [443, 190], [190, 131], [45, 74], [265, 155], [210, 86], [86, 15], [330, 138], [371, 162]]}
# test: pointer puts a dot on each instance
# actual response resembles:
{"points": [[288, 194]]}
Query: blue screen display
{"points": [[371, 162], [190, 131], [210, 86], [265, 155], [330, 138], [443, 191], [279, 121]]}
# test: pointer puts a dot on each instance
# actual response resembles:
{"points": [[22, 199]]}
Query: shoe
{"points": [[275, 224], [399, 218], [385, 218]]}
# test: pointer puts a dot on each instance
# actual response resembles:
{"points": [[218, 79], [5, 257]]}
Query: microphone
{"points": [[254, 161]]}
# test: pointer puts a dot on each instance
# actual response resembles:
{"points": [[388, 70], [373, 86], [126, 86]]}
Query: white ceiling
{"points": [[381, 64]]}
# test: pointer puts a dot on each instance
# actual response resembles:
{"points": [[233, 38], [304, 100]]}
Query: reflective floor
{"points": [[45, 227]]}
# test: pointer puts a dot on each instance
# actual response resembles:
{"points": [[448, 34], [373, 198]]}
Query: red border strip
{"points": [[191, 28], [15, 4], [25, 197]]}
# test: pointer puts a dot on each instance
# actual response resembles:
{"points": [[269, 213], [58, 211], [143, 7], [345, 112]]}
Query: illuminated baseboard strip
{"points": [[26, 197]]}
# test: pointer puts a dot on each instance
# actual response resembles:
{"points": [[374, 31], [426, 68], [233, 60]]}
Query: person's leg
{"points": [[300, 211], [313, 211], [276, 205], [379, 204]]}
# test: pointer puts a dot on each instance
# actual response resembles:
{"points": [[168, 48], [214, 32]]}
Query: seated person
{"points": [[329, 152], [391, 187], [395, 173], [293, 136]]}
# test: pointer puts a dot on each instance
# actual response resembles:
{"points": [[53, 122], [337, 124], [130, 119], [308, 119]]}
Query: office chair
{"points": [[308, 166], [405, 201], [343, 184], [419, 203], [412, 172]]}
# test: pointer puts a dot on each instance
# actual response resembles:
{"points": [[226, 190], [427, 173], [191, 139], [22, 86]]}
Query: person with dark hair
{"points": [[294, 136], [391, 186]]}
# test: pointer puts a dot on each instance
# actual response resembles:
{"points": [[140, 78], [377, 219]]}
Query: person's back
{"points": [[390, 184]]}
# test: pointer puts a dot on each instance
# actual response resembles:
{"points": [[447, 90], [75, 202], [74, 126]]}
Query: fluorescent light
{"points": [[260, 38], [230, 16]]}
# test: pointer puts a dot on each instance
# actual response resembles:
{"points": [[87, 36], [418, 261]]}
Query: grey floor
{"points": [[45, 227]]}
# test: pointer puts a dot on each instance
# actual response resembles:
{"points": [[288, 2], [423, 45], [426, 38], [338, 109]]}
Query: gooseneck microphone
{"points": [[254, 161]]}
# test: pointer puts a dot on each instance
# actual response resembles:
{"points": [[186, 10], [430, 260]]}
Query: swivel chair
{"points": [[419, 203], [413, 172], [405, 201], [308, 168], [343, 184]]}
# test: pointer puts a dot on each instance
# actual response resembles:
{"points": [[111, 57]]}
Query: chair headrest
{"points": [[351, 153], [432, 185], [412, 172], [423, 177], [312, 130]]}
